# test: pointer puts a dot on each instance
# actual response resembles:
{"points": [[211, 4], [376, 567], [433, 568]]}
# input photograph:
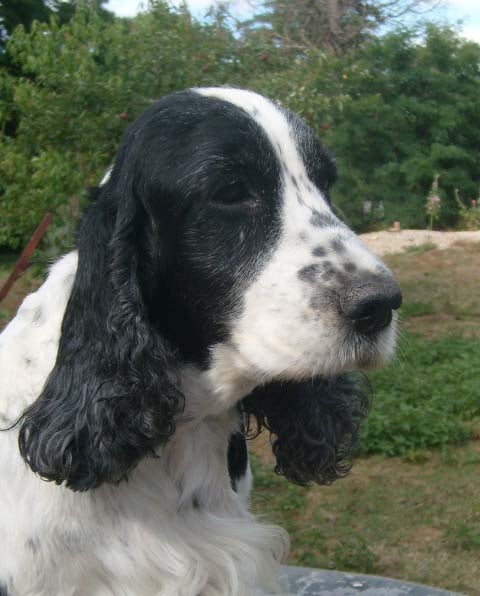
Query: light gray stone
{"points": [[316, 582]]}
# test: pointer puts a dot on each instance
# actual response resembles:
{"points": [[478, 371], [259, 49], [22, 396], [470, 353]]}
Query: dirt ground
{"points": [[386, 242]]}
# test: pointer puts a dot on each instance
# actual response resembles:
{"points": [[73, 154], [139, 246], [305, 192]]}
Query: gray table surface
{"points": [[316, 582]]}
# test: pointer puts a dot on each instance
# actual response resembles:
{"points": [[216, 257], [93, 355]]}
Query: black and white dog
{"points": [[212, 285]]}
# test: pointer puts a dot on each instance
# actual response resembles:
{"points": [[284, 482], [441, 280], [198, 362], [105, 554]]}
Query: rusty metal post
{"points": [[23, 261]]}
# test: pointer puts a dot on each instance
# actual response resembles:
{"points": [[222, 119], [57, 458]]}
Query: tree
{"points": [[21, 12], [409, 114], [76, 88], [335, 26], [24, 12]]}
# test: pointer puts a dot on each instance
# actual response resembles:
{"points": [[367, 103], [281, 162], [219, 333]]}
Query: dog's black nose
{"points": [[369, 305]]}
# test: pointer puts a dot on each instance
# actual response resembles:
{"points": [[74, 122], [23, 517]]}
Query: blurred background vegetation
{"points": [[398, 105]]}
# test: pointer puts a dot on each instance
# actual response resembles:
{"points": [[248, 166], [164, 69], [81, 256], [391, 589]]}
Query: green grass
{"points": [[420, 248], [427, 398], [417, 309]]}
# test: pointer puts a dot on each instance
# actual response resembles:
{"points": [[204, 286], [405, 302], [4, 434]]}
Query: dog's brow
{"points": [[206, 166], [271, 120]]}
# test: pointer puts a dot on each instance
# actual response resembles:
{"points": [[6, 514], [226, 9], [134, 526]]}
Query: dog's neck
{"points": [[217, 389], [195, 457]]}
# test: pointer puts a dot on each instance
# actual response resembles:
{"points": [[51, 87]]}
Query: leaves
{"points": [[395, 111]]}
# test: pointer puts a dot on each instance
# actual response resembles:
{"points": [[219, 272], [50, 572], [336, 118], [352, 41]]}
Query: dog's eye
{"points": [[234, 194]]}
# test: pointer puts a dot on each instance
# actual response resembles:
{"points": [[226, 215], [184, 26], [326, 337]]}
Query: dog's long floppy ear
{"points": [[112, 396], [313, 424]]}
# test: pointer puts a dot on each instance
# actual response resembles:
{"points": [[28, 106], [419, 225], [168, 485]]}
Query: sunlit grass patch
{"points": [[420, 248]]}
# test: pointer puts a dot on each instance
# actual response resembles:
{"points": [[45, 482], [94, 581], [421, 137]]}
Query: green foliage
{"points": [[468, 217], [81, 83], [409, 116], [425, 399], [22, 12], [394, 112]]}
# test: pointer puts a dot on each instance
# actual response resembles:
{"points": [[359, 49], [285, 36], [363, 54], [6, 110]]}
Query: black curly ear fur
{"points": [[314, 425], [112, 396]]}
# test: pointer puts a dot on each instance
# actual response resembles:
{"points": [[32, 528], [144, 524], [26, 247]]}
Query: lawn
{"points": [[410, 507]]}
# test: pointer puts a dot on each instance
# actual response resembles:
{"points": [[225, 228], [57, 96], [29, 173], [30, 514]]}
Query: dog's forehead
{"points": [[271, 119]]}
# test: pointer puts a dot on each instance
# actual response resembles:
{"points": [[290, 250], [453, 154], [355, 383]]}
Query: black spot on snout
{"points": [[309, 273], [328, 270], [338, 245], [350, 267], [328, 274], [319, 251]]}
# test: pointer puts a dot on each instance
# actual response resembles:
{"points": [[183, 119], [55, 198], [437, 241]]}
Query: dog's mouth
{"points": [[343, 346], [373, 345]]}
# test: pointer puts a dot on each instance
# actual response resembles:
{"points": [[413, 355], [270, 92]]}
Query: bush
{"points": [[392, 112], [78, 86]]}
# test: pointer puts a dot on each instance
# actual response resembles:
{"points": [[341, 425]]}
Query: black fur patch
{"points": [[314, 425], [237, 458], [309, 273]]}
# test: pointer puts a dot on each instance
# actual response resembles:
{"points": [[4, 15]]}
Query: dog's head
{"points": [[211, 243]]}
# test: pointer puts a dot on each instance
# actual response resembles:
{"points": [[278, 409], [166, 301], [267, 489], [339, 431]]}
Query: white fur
{"points": [[146, 537], [142, 537]]}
